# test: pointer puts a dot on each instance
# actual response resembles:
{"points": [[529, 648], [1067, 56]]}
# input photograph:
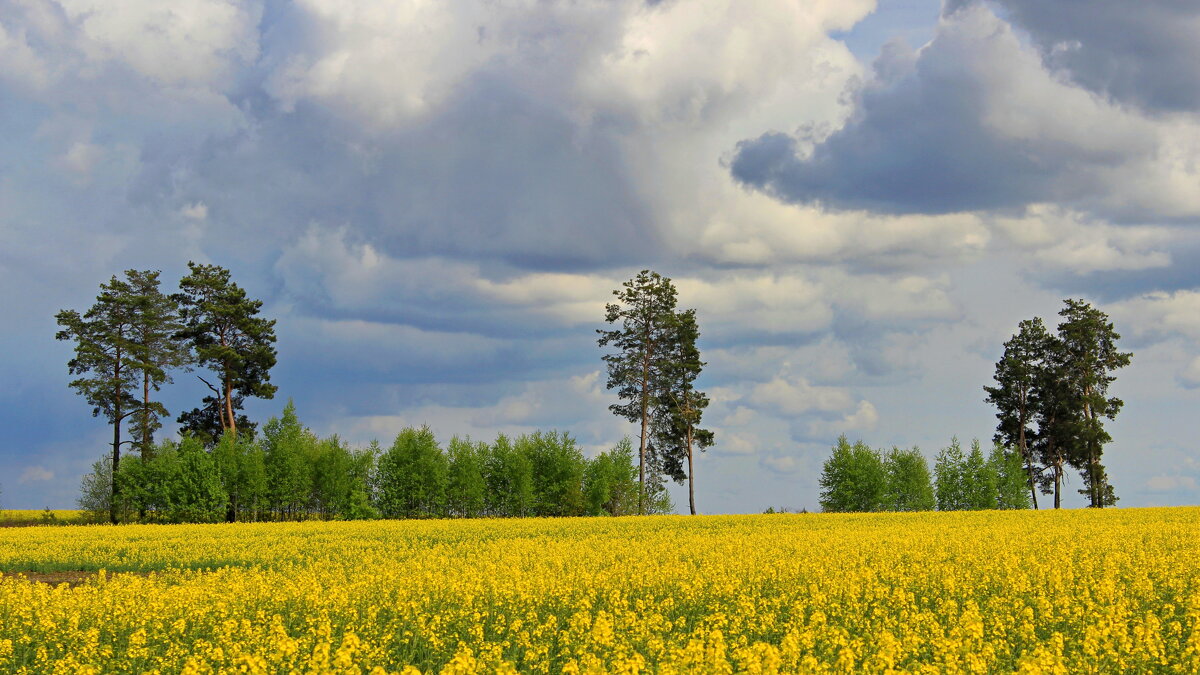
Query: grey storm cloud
{"points": [[1145, 53], [962, 125]]}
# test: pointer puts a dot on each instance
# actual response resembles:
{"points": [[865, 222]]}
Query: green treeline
{"points": [[859, 478], [289, 473]]}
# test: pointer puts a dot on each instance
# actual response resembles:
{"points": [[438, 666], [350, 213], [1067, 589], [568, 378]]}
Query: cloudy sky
{"points": [[435, 200]]}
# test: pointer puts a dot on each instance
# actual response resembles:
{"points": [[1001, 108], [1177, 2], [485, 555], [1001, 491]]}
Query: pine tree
{"points": [[680, 406], [106, 356], [1016, 395], [228, 336], [157, 350], [1090, 354], [645, 308]]}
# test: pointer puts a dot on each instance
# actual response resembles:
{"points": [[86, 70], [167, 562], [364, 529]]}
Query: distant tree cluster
{"points": [[653, 368], [858, 478], [130, 340], [291, 474], [1051, 397]]}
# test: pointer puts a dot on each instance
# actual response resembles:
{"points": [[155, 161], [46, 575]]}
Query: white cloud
{"points": [[795, 396], [1190, 375], [1161, 314], [36, 474], [863, 418], [197, 211], [736, 442], [784, 464], [188, 43], [1051, 237], [1170, 483]]}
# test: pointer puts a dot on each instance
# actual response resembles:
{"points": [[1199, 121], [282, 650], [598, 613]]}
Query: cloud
{"points": [[862, 418], [1170, 483], [36, 474], [197, 211], [796, 397], [973, 121], [1190, 376], [1161, 315], [1148, 57], [784, 464], [1067, 241]]}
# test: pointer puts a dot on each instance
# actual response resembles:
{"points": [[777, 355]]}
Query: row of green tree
{"points": [[859, 478], [289, 473], [1051, 397], [129, 342]]}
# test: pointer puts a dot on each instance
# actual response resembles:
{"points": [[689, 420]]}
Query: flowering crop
{"points": [[1068, 591]]}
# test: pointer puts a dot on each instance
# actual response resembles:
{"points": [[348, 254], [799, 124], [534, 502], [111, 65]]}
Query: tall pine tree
{"points": [[1088, 342], [644, 314], [679, 405], [228, 336]]}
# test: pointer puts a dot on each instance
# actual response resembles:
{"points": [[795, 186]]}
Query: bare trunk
{"points": [[645, 424], [146, 436], [1058, 484], [116, 447], [116, 459], [691, 473], [1026, 455], [231, 424], [1032, 485]]}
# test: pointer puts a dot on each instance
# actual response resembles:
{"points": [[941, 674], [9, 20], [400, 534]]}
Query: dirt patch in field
{"points": [[71, 578]]}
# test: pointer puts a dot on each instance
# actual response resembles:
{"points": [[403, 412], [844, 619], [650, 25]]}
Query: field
{"points": [[23, 517], [1071, 591]]}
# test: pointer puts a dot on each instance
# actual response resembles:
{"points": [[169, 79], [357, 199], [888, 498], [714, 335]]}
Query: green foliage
{"points": [[508, 475], [413, 476], [610, 482], [853, 479], [979, 480], [180, 483], [908, 486], [466, 491], [95, 490], [1012, 488], [289, 480], [950, 484], [558, 467]]}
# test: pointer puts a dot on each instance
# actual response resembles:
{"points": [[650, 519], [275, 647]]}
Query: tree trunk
{"points": [[1027, 456], [691, 473], [146, 435], [232, 425], [116, 448], [116, 459], [645, 423], [1058, 484]]}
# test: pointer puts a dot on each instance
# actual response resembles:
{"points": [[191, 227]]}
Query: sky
{"points": [[435, 200]]}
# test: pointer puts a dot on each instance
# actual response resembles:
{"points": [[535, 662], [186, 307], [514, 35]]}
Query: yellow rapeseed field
{"points": [[1114, 591], [31, 516]]}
